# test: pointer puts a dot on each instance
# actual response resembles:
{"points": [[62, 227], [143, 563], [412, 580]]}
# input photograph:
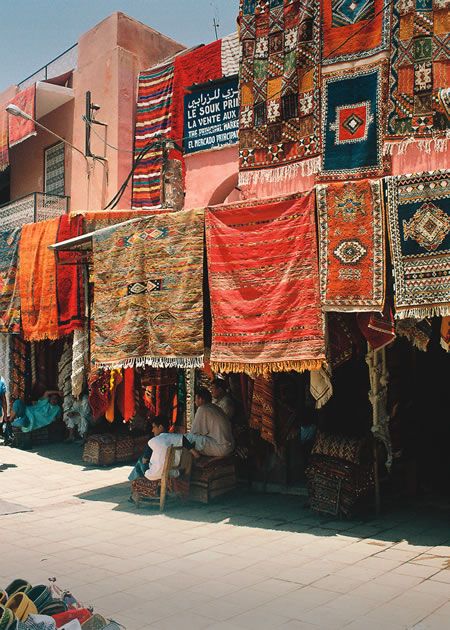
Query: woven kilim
{"points": [[353, 113], [69, 278], [153, 119], [352, 245], [148, 305], [420, 66], [262, 410], [9, 290], [37, 281], [279, 86], [419, 232], [4, 151], [354, 29], [20, 128], [264, 286]]}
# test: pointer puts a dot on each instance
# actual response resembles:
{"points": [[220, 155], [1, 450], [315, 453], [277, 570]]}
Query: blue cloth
{"points": [[2, 387], [138, 470], [37, 416]]}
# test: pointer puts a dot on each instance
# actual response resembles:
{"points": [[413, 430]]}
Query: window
{"points": [[54, 169]]}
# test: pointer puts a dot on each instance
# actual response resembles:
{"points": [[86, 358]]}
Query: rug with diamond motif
{"points": [[279, 86], [352, 245], [264, 286], [419, 232], [353, 115], [420, 66], [148, 287], [9, 289]]}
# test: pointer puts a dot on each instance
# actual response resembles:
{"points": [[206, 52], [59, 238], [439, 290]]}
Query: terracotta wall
{"points": [[110, 57], [211, 177]]}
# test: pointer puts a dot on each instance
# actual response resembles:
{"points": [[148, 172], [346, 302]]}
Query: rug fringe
{"points": [[158, 362], [427, 145], [423, 312], [255, 369], [305, 168]]}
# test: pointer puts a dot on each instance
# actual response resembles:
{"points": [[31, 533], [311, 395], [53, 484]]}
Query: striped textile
{"points": [[153, 119], [230, 54]]}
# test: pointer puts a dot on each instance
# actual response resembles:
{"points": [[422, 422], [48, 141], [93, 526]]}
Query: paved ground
{"points": [[249, 561]]}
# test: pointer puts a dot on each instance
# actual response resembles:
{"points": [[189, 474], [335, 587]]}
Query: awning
{"points": [[49, 97]]}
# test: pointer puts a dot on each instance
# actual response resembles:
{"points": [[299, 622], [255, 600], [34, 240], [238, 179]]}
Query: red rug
{"points": [[264, 286], [69, 279], [22, 128], [352, 246]]}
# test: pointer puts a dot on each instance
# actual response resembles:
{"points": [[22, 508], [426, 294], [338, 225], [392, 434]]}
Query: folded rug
{"points": [[264, 285], [419, 231], [148, 304], [352, 245], [9, 288], [37, 281]]}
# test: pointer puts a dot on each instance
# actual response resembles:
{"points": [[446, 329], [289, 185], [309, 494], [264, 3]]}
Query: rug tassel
{"points": [[254, 369], [158, 362], [423, 312], [305, 168], [427, 145]]}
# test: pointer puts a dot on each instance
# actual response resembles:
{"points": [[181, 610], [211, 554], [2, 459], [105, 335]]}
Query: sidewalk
{"points": [[247, 561]]}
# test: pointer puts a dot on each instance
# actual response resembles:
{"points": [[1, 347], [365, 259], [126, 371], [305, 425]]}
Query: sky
{"points": [[33, 32]]}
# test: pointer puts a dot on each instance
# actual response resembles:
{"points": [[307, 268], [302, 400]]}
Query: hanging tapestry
{"points": [[22, 128], [69, 278], [264, 286], [262, 409], [343, 337], [377, 328], [420, 56], [20, 368], [419, 232], [230, 54], [9, 290], [37, 281], [4, 151], [153, 119], [352, 246], [353, 107], [279, 85], [354, 30], [80, 360], [417, 332], [5, 358], [99, 392], [148, 304], [445, 333]]}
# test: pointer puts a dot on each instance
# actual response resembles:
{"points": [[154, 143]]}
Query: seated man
{"points": [[38, 415], [221, 398], [211, 432], [151, 464]]}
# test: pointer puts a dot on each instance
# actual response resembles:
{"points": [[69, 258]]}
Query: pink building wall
{"points": [[110, 57], [211, 177]]}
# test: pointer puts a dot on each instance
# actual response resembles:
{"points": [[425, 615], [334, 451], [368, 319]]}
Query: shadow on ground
{"points": [[419, 523]]}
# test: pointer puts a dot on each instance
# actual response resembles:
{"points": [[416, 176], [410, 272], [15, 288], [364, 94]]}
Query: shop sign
{"points": [[211, 116]]}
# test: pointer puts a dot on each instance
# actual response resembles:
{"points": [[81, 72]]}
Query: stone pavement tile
{"points": [[293, 604], [223, 625], [326, 618], [380, 593], [434, 621], [338, 584], [416, 570], [402, 555], [430, 559], [352, 605], [442, 576], [433, 588], [215, 588], [405, 609], [303, 574], [222, 610], [398, 580], [258, 620], [294, 624], [363, 623], [249, 596], [114, 603], [187, 620], [243, 578], [276, 586]]}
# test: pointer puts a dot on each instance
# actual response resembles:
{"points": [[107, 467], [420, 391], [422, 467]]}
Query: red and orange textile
{"points": [[264, 286], [377, 328], [99, 392], [37, 281], [445, 333], [352, 246], [343, 337], [4, 151], [153, 120], [262, 409], [9, 289], [279, 129], [354, 30], [69, 279], [125, 395], [22, 128]]}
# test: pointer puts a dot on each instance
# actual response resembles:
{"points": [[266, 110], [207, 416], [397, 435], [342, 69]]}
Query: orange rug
{"points": [[37, 281]]}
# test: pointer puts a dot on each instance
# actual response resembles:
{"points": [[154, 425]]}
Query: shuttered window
{"points": [[54, 169]]}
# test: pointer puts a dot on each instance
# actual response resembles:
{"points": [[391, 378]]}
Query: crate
{"points": [[100, 450], [124, 449], [20, 439], [40, 436], [211, 477]]}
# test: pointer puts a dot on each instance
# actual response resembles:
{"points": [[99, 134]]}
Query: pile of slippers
{"points": [[26, 607]]}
